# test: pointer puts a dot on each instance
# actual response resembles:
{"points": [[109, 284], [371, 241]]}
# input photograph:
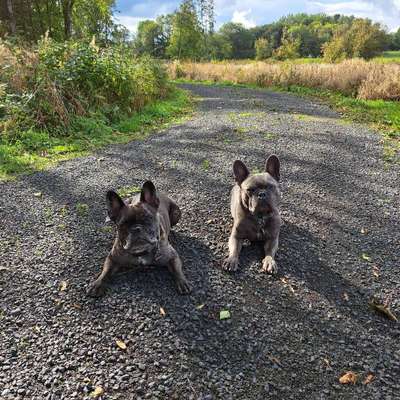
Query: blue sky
{"points": [[258, 12]]}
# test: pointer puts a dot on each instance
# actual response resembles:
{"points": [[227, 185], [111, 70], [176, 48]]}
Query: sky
{"points": [[258, 12]]}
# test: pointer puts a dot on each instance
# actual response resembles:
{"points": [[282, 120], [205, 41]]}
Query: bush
{"points": [[263, 49], [49, 88]]}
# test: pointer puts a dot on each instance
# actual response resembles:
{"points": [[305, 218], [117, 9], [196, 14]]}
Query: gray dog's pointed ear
{"points": [[272, 166], [149, 195], [115, 205], [240, 171]]}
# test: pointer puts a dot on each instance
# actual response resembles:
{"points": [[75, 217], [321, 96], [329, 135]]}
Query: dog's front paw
{"points": [[269, 265], [183, 286], [95, 290], [230, 264]]}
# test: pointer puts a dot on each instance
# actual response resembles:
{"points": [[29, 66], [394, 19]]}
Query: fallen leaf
{"points": [[162, 312], [224, 314], [38, 194], [370, 377], [327, 362], [365, 257], [200, 306], [36, 329], [382, 309], [121, 344], [364, 231], [210, 221], [77, 306], [345, 296], [348, 377], [97, 392], [375, 271], [63, 286]]}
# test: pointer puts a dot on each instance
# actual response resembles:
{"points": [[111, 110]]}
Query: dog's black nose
{"points": [[262, 195]]}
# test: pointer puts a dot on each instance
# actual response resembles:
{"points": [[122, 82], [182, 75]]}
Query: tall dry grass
{"points": [[358, 78]]}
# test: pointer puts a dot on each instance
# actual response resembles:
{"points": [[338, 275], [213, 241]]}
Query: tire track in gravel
{"points": [[290, 337]]}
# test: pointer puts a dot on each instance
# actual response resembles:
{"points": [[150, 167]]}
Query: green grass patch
{"points": [[37, 150], [128, 191]]}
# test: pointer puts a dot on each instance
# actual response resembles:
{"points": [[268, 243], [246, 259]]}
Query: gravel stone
{"points": [[289, 336]]}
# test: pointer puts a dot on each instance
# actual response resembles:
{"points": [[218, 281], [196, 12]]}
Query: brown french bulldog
{"points": [[143, 226], [254, 207]]}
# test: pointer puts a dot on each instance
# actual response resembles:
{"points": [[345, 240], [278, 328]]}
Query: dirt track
{"points": [[290, 336]]}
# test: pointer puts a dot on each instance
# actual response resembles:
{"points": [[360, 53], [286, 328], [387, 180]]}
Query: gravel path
{"points": [[290, 336]]}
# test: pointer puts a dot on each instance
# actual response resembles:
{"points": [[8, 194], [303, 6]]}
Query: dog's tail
{"points": [[175, 213]]}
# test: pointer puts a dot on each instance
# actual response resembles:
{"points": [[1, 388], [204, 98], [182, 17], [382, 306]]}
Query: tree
{"points": [[186, 37], [361, 39], [289, 49], [219, 47], [11, 17], [149, 38], [240, 38], [263, 49], [67, 7]]}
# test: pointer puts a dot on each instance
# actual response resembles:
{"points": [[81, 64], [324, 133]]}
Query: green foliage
{"points": [[37, 149], [263, 49], [240, 38], [361, 39], [289, 49], [85, 18], [186, 37], [73, 79], [150, 38]]}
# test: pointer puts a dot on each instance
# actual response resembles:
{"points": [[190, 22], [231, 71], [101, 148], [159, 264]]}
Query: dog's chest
{"points": [[261, 227]]}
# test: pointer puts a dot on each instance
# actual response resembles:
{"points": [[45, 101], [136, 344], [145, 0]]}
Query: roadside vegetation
{"points": [[61, 96]]}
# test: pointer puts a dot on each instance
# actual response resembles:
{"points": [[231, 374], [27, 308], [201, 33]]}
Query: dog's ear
{"points": [[272, 166], [149, 195], [240, 171], [115, 205]]}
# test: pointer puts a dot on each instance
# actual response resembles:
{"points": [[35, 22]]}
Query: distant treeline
{"points": [[189, 32], [182, 35]]}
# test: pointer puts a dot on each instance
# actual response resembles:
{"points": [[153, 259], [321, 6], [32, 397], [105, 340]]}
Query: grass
{"points": [[128, 191], [381, 115], [37, 150]]}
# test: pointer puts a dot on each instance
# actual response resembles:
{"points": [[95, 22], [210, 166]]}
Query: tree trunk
{"points": [[67, 13], [11, 16]]}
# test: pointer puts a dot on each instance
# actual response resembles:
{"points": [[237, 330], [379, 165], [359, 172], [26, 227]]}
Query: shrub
{"points": [[50, 87], [263, 49]]}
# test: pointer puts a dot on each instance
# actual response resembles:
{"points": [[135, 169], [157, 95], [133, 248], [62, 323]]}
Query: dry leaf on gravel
{"points": [[162, 312], [97, 392], [382, 309], [200, 306], [345, 296], [63, 285], [370, 377], [375, 271], [38, 194], [121, 344], [348, 378]]}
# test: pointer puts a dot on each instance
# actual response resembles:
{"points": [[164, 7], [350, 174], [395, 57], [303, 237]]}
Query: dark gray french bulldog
{"points": [[254, 207], [143, 226]]}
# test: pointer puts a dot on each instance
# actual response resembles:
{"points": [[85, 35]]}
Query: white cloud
{"points": [[131, 23], [242, 17], [386, 12]]}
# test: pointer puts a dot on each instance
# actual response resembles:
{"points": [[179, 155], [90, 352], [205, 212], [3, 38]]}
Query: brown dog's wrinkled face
{"points": [[259, 193], [137, 225]]}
